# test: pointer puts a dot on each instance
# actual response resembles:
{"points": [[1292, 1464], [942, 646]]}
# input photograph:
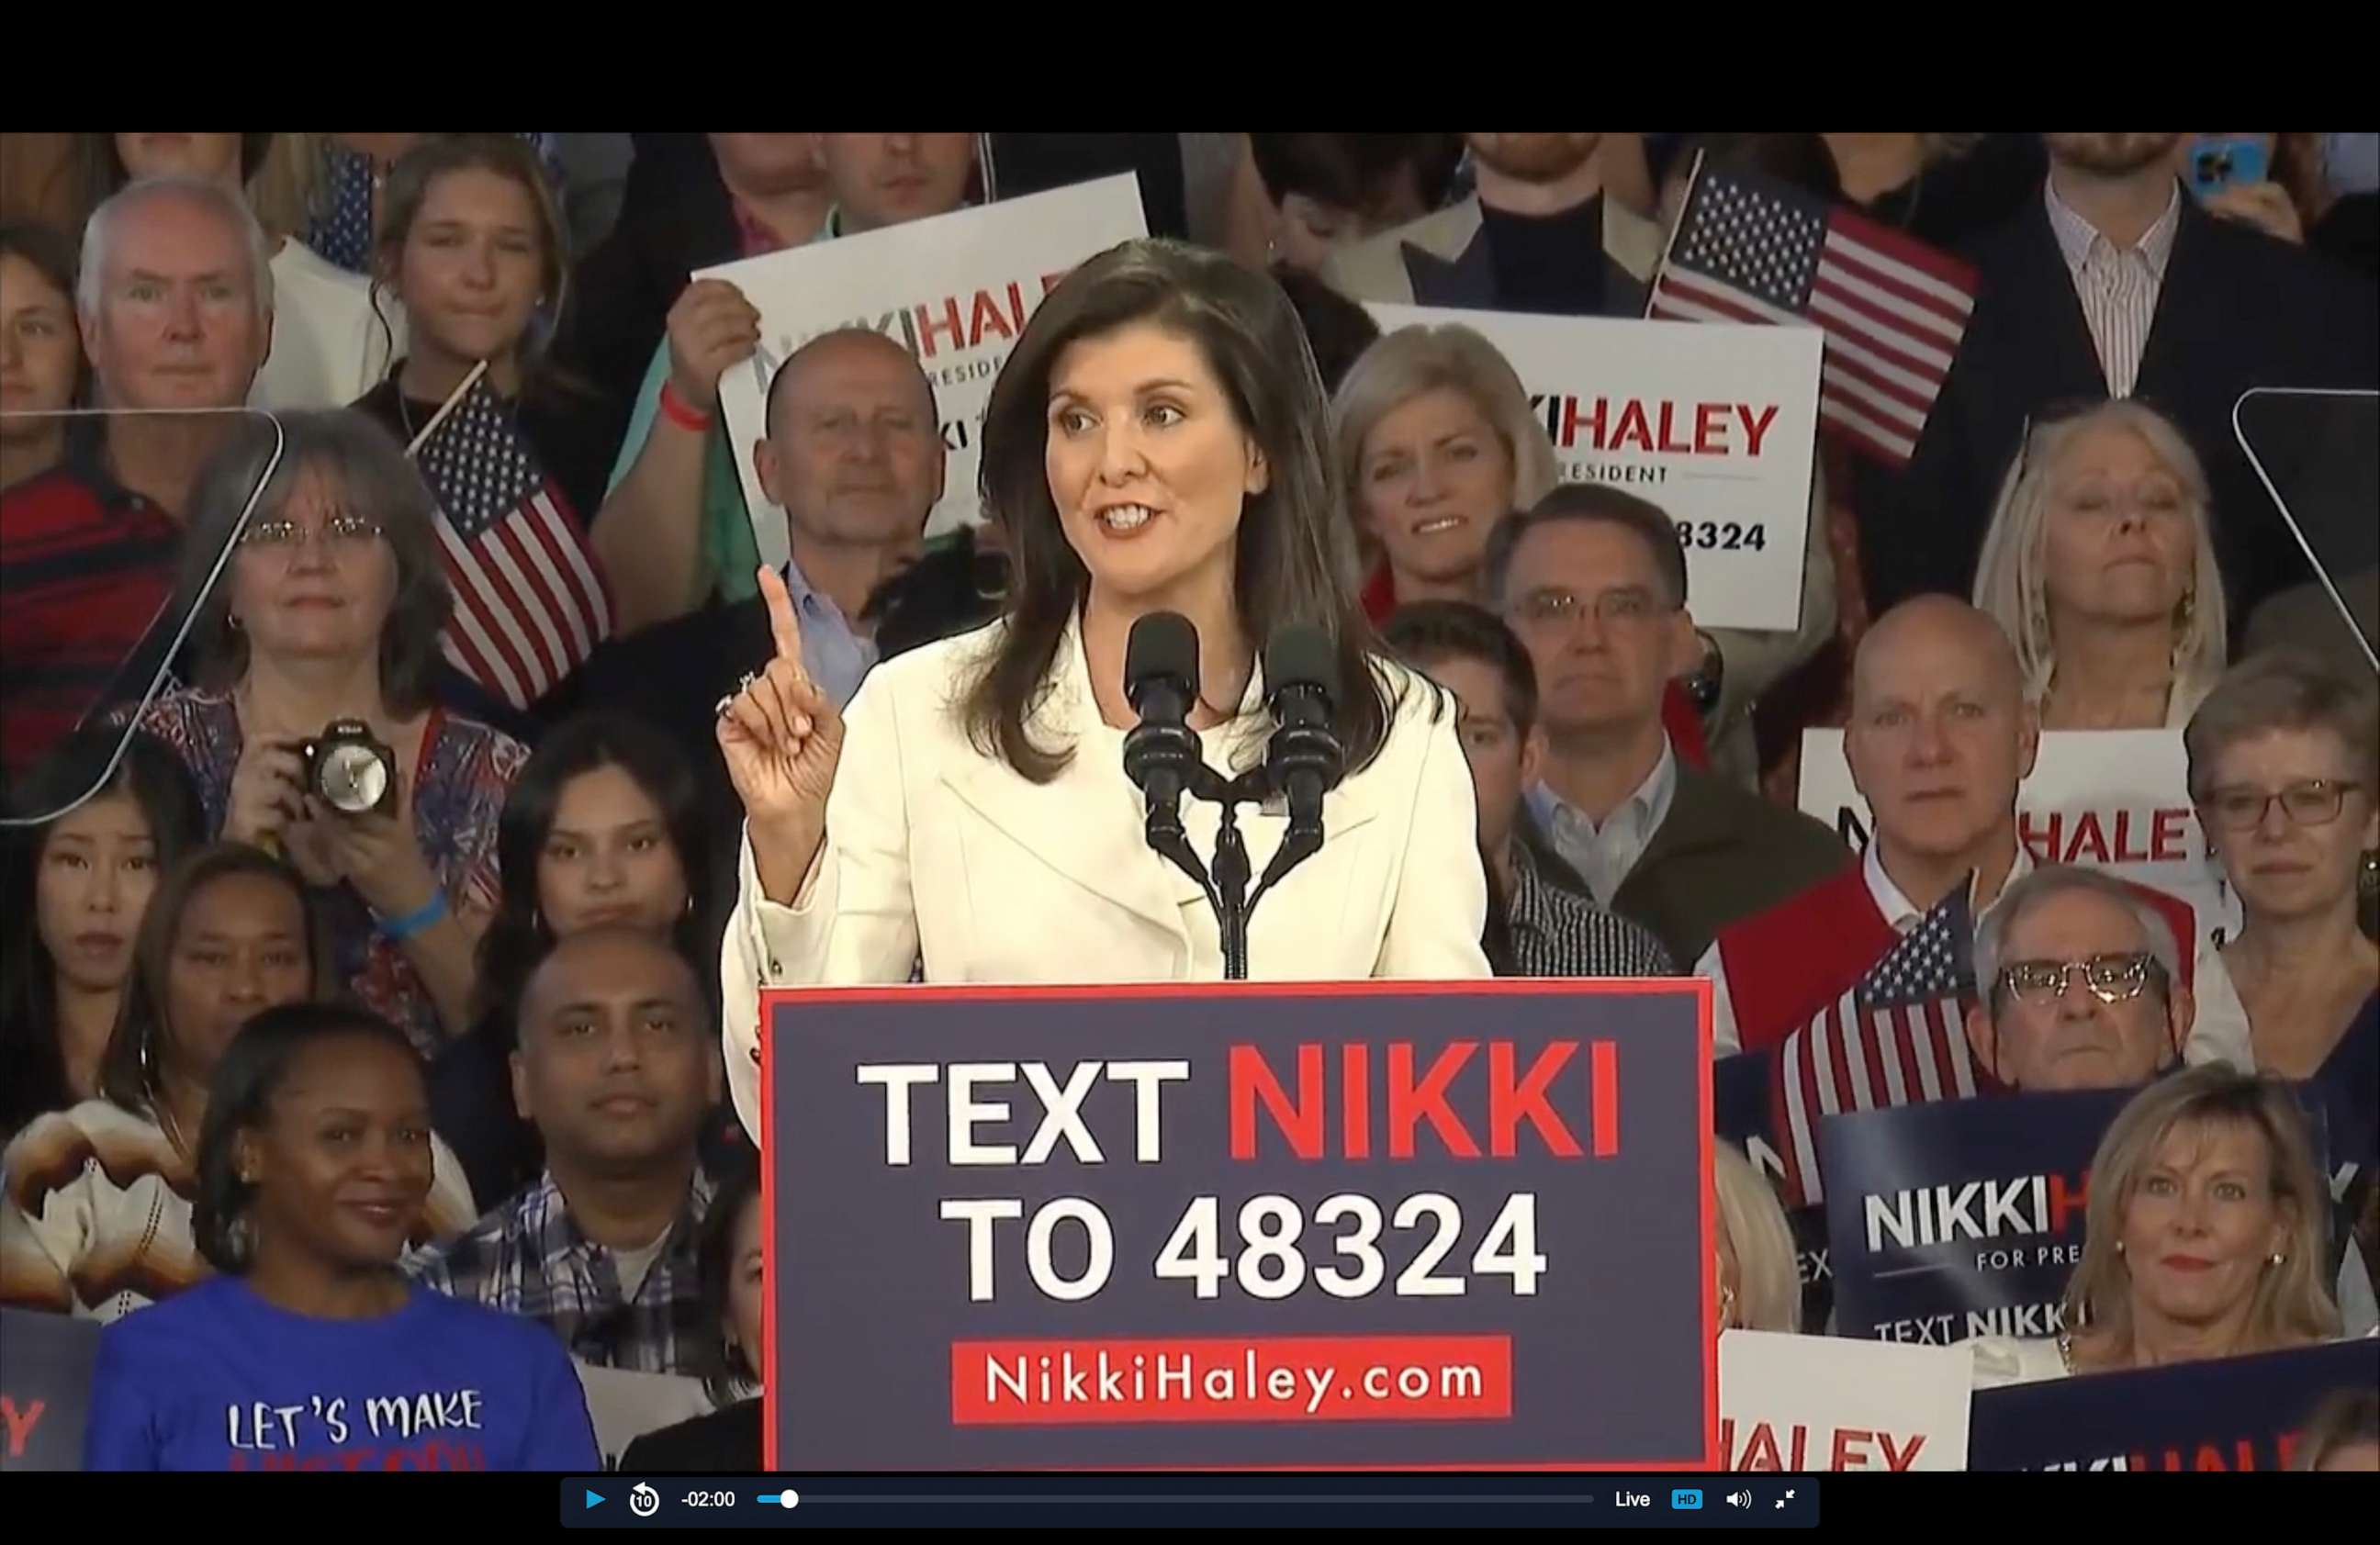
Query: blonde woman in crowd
{"points": [[2205, 1237], [2100, 566], [1759, 1275]]}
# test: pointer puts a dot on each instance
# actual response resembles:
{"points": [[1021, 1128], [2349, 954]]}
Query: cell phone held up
{"points": [[2216, 163], [348, 769]]}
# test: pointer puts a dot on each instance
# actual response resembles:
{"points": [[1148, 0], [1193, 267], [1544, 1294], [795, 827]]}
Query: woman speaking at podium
{"points": [[1156, 442]]}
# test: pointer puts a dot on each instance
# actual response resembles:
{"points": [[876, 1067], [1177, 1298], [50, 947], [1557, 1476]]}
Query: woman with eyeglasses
{"points": [[2282, 766], [329, 613]]}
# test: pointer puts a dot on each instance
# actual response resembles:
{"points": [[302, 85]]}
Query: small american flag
{"points": [[530, 605], [1893, 309], [1898, 1037]]}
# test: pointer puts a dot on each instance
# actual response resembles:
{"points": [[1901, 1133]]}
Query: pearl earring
{"points": [[2279, 1258]]}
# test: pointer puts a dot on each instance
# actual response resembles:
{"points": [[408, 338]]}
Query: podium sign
{"points": [[1377, 1224]]}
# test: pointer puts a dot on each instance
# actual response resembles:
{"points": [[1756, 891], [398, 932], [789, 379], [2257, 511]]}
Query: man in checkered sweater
{"points": [[1535, 927]]}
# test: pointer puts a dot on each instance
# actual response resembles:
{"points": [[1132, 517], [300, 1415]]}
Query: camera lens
{"points": [[352, 778]]}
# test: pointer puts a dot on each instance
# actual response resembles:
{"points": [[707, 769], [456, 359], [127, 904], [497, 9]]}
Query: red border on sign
{"points": [[1700, 988]]}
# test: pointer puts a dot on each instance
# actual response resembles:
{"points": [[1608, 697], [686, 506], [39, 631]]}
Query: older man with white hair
{"points": [[174, 303]]}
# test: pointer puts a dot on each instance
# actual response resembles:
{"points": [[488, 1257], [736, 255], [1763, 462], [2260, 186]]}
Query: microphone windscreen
{"points": [[1302, 657], [1163, 646]]}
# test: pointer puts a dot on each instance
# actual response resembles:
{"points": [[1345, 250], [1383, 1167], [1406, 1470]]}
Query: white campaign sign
{"points": [[1716, 424], [955, 290], [1804, 1403], [624, 1404], [2105, 799]]}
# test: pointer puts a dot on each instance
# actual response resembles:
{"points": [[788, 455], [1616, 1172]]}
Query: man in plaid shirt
{"points": [[1535, 927], [618, 1066]]}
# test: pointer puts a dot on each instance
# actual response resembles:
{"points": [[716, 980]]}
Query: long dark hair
{"points": [[715, 1262], [1294, 562], [32, 1073], [52, 256], [370, 469], [504, 155], [131, 1070], [239, 1099], [517, 938]]}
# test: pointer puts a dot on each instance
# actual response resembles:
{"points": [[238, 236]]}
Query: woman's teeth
{"points": [[1432, 527], [1125, 517]]}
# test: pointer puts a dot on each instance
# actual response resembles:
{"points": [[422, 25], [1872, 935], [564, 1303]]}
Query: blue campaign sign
{"points": [[1963, 1217], [2233, 1414], [45, 1362], [1374, 1224]]}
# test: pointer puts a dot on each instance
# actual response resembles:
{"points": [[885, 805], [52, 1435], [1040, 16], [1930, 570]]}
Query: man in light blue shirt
{"points": [[854, 455]]}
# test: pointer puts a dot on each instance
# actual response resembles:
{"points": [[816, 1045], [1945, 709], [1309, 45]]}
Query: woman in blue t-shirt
{"points": [[309, 1351]]}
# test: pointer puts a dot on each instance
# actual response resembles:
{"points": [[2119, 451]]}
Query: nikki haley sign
{"points": [[1374, 1224], [1716, 424]]}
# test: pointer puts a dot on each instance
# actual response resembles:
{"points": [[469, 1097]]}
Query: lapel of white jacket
{"points": [[1085, 823]]}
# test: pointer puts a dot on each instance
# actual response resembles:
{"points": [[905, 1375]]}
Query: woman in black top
{"points": [[471, 240], [735, 1287], [75, 889]]}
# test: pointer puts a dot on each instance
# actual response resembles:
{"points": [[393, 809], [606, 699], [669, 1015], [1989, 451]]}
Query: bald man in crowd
{"points": [[854, 456], [1940, 737]]}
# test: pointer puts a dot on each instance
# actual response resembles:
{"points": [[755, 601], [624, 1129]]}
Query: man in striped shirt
{"points": [[2116, 283], [1547, 929], [174, 301]]}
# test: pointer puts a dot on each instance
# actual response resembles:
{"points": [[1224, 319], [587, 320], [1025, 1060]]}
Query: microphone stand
{"points": [[1230, 893]]}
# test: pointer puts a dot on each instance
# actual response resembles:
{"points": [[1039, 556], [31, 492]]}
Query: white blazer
{"points": [[937, 852]]}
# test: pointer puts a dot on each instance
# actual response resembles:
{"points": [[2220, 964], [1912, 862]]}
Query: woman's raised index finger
{"points": [[782, 626]]}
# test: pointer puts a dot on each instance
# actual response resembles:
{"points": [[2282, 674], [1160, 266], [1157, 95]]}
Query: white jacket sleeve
{"points": [[854, 921], [1441, 908]]}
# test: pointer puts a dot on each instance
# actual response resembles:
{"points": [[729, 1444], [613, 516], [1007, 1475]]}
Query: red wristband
{"points": [[681, 412]]}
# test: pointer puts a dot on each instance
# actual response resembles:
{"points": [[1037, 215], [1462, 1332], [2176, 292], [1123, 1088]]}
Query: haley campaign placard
{"points": [[45, 1362], [1963, 1217], [1320, 1225], [955, 291], [2116, 800], [2229, 1414], [1716, 424], [1803, 1403]]}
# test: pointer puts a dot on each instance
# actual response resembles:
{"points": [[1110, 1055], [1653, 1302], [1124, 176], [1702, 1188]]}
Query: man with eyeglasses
{"points": [[175, 302], [1940, 737], [1594, 582], [2082, 985]]}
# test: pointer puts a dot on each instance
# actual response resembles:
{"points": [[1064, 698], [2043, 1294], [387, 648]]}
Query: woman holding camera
{"points": [[311, 732]]}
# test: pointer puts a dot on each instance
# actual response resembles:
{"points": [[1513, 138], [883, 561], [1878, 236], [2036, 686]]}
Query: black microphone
{"points": [[1304, 759], [1161, 753]]}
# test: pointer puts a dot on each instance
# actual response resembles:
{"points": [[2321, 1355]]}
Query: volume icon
{"points": [[1738, 1499]]}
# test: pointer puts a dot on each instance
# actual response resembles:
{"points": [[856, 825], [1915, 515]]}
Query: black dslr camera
{"points": [[348, 770]]}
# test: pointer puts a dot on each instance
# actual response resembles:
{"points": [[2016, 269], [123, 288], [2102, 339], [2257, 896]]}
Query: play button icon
{"points": [[594, 1499]]}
